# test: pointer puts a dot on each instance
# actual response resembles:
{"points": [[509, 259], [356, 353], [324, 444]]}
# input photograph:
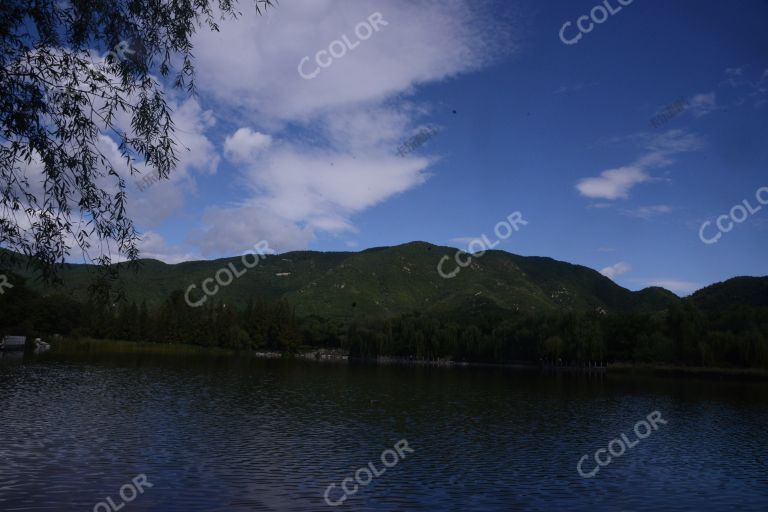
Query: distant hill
{"points": [[751, 291], [388, 281]]}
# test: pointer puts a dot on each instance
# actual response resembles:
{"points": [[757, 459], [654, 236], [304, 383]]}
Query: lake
{"points": [[135, 428]]}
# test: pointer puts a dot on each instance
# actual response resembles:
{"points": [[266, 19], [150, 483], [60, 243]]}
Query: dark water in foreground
{"points": [[219, 432]]}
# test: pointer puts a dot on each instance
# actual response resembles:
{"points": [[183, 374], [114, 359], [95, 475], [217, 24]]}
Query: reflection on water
{"points": [[216, 431]]}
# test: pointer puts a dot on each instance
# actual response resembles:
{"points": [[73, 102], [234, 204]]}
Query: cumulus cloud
{"points": [[196, 155], [245, 144], [308, 154], [152, 202], [309, 186], [294, 192], [255, 65], [224, 231], [613, 183], [194, 150], [616, 270], [324, 149], [152, 245]]}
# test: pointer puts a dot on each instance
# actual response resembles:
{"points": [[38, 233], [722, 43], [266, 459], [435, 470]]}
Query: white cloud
{"points": [[195, 150], [676, 286], [702, 104], [616, 270], [310, 154], [613, 183], [294, 193], [659, 151], [661, 148], [255, 65], [83, 241], [152, 245], [162, 199], [331, 152], [750, 89], [308, 186], [648, 212], [245, 144], [196, 154], [228, 231]]}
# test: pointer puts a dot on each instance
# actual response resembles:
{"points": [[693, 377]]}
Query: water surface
{"points": [[219, 431]]}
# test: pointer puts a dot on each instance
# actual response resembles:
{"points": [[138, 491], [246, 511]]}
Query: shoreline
{"points": [[337, 355], [670, 370]]}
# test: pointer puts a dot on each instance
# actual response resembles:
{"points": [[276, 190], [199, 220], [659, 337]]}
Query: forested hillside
{"points": [[386, 301], [381, 281]]}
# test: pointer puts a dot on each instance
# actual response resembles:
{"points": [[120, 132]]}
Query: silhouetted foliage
{"points": [[735, 336], [66, 114]]}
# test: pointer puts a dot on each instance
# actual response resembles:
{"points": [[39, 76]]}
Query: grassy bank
{"points": [[108, 346]]}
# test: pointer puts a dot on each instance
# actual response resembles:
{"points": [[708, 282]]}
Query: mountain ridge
{"points": [[391, 280]]}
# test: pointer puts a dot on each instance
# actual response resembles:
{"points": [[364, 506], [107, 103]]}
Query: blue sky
{"points": [[526, 123]]}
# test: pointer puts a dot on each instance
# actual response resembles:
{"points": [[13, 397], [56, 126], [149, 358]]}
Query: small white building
{"points": [[13, 343]]}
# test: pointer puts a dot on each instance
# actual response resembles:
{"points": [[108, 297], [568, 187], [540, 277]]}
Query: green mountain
{"points": [[737, 291], [383, 281]]}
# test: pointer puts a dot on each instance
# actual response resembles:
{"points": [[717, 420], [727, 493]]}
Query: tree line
{"points": [[683, 334]]}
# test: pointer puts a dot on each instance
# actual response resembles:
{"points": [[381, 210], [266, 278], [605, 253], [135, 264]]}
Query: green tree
{"points": [[57, 100], [553, 348], [236, 337]]}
